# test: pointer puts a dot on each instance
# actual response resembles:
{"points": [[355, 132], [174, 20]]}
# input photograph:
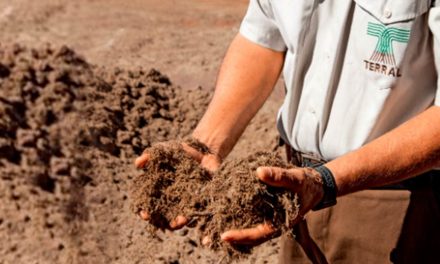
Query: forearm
{"points": [[406, 151], [247, 77]]}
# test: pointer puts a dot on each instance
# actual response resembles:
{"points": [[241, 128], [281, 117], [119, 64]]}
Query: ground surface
{"points": [[185, 40]]}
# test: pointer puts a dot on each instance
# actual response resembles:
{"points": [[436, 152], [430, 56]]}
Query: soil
{"points": [[70, 130], [67, 126], [232, 197], [172, 184], [238, 200]]}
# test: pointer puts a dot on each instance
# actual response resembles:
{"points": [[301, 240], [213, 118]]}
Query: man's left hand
{"points": [[305, 182]]}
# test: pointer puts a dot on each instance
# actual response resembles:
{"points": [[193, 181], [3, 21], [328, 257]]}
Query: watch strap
{"points": [[329, 186]]}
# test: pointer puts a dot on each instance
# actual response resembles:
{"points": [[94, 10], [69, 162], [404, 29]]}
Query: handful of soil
{"points": [[238, 200], [173, 184], [231, 198]]}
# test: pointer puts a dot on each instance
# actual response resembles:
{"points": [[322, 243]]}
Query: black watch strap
{"points": [[330, 189]]}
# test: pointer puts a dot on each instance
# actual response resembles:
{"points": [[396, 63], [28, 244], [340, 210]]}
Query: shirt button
{"points": [[311, 110], [387, 14]]}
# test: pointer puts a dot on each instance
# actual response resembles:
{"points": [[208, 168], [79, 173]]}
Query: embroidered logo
{"points": [[382, 60]]}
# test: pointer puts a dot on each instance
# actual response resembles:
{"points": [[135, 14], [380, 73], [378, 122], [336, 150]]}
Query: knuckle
{"points": [[289, 176]]}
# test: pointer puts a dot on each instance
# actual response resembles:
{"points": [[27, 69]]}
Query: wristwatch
{"points": [[330, 188]]}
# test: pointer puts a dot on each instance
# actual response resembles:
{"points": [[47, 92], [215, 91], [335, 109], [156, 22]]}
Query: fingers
{"points": [[206, 241], [142, 160], [279, 177], [178, 223], [145, 157], [209, 161], [192, 152], [250, 236], [144, 215]]}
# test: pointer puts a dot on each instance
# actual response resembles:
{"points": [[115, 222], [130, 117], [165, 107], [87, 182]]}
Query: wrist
{"points": [[213, 143], [207, 157]]}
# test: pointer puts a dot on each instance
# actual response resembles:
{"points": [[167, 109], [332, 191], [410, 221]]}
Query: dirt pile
{"points": [[68, 134]]}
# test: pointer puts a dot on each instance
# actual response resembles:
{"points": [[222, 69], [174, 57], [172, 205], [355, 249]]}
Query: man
{"points": [[362, 111]]}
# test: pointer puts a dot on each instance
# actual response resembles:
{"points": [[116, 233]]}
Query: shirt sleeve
{"points": [[259, 26], [434, 25]]}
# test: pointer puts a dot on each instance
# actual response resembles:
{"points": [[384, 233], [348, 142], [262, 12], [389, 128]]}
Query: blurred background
{"points": [[185, 39]]}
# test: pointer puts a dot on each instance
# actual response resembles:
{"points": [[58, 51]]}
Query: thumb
{"points": [[277, 177], [142, 160]]}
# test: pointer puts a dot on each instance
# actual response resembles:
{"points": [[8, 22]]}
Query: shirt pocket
{"points": [[394, 11], [388, 29]]}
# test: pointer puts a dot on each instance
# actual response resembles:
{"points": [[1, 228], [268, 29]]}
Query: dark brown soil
{"points": [[238, 200], [172, 184]]}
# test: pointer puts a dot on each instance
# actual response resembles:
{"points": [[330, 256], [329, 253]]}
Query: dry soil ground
{"points": [[185, 40]]}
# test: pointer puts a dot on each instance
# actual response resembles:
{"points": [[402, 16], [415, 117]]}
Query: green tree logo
{"points": [[383, 52]]}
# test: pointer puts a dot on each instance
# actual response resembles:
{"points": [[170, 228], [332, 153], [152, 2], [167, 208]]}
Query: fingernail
{"points": [[206, 241], [180, 220], [138, 163], [224, 237], [264, 173], [144, 215], [260, 172]]}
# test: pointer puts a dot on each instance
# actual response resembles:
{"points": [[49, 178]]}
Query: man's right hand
{"points": [[208, 161]]}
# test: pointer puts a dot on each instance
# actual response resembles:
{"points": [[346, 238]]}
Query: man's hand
{"points": [[306, 182], [207, 160]]}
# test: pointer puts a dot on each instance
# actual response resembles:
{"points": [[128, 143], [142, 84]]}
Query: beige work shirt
{"points": [[353, 69]]}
